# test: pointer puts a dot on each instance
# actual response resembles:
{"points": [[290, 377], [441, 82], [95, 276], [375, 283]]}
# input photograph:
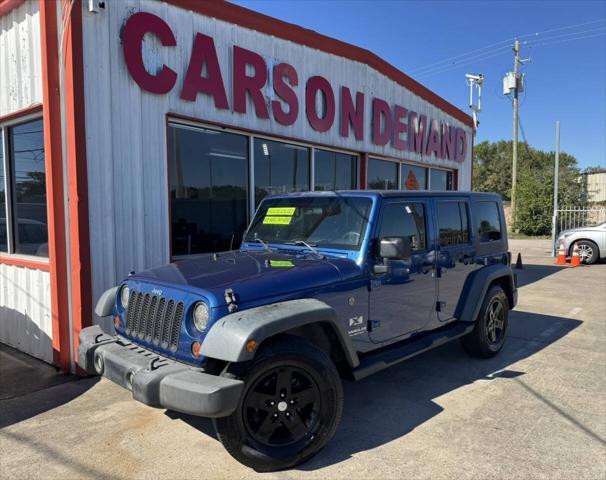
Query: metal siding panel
{"points": [[25, 317], [126, 133], [20, 58]]}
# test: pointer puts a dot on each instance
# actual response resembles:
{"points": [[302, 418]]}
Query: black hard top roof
{"points": [[392, 194]]}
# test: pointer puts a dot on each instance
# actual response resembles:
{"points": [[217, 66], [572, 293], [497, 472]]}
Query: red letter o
{"points": [[313, 85]]}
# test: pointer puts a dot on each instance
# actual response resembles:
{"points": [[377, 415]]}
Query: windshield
{"points": [[330, 222]]}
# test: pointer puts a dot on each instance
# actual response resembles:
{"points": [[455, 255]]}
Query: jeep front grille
{"points": [[155, 319]]}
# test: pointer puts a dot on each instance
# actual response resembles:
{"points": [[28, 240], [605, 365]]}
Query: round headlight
{"points": [[201, 316], [124, 296]]}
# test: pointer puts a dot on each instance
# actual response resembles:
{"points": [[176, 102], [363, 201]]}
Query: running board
{"points": [[406, 349]]}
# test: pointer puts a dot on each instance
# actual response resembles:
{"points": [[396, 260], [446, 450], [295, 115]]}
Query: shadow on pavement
{"points": [[27, 386], [395, 401], [533, 273]]}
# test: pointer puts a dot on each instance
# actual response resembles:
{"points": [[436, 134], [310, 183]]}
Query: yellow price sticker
{"points": [[287, 211], [281, 263], [277, 220]]}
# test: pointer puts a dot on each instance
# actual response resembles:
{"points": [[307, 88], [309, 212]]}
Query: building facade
{"points": [[140, 131]]}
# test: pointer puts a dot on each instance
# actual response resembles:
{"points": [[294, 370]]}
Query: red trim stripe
{"points": [[77, 172], [54, 185], [23, 262], [32, 109], [287, 31]]}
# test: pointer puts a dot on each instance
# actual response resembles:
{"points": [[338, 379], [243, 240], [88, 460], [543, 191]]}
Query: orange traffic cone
{"points": [[575, 261], [561, 260]]}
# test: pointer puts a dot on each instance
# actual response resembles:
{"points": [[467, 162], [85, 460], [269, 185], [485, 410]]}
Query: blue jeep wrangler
{"points": [[324, 286]]}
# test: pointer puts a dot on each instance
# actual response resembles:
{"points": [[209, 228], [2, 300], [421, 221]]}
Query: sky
{"points": [[565, 40]]}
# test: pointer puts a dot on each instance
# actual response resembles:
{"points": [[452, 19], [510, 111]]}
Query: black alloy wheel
{"points": [[282, 407], [495, 321], [290, 407], [488, 336]]}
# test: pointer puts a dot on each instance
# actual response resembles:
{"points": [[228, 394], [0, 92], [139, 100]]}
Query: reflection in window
{"points": [[335, 171], [441, 180], [453, 224], [414, 177], [326, 222], [208, 189], [3, 229], [487, 221], [382, 175], [280, 168], [405, 220], [29, 197]]}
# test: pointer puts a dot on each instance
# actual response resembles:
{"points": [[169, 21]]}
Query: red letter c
{"points": [[135, 29]]}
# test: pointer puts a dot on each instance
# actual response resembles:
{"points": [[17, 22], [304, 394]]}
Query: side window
{"points": [[453, 223], [405, 220], [488, 224]]}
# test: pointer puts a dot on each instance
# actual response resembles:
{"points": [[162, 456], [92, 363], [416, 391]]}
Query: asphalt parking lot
{"points": [[537, 410]]}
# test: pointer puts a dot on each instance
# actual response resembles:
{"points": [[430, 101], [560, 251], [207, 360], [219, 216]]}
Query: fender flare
{"points": [[105, 304], [476, 287], [227, 338]]}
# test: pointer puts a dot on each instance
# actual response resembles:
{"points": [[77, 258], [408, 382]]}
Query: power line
{"points": [[463, 55], [566, 40], [563, 28], [451, 67], [564, 35], [457, 59]]}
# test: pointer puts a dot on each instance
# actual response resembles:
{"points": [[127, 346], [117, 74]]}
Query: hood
{"points": [[250, 274], [595, 228]]}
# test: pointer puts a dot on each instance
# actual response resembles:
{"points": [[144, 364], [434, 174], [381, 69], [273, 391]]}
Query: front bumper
{"points": [[156, 380]]}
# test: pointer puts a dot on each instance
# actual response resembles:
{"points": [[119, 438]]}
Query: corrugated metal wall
{"points": [[20, 60], [25, 317], [126, 130]]}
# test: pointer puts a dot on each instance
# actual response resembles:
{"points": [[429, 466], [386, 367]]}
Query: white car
{"points": [[591, 242]]}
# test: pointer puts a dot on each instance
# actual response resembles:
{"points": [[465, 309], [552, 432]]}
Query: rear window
{"points": [[488, 223], [452, 222]]}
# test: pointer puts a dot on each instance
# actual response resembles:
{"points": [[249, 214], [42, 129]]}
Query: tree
{"points": [[492, 173]]}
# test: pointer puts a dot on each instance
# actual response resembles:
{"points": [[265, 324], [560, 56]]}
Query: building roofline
{"points": [[253, 20], [7, 5]]}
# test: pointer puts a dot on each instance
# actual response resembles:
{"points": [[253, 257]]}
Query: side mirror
{"points": [[394, 248]]}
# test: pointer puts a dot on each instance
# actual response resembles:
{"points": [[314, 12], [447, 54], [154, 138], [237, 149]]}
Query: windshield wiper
{"points": [[305, 244], [265, 246]]}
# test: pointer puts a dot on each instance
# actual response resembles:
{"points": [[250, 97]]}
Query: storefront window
{"points": [[382, 175], [335, 171], [441, 180], [3, 229], [208, 189], [29, 196], [413, 177], [280, 168]]}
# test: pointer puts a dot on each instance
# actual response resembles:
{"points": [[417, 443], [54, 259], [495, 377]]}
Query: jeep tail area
{"points": [[324, 286]]}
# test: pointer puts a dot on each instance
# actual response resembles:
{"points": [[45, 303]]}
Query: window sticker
{"points": [[286, 211], [277, 220], [281, 263]]}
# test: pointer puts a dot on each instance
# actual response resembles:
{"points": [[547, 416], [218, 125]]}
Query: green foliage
{"points": [[492, 173]]}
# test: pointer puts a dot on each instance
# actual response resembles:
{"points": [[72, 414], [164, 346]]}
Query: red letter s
{"points": [[283, 90]]}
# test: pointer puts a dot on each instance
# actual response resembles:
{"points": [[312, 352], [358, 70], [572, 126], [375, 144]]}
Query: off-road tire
{"points": [[480, 341], [303, 363]]}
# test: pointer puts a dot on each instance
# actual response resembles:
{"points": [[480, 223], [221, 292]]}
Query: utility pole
{"points": [[556, 182], [514, 167]]}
